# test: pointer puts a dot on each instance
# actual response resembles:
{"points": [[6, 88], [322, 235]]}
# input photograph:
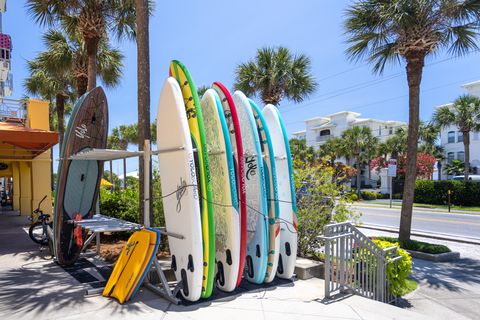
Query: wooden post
{"points": [[146, 186]]}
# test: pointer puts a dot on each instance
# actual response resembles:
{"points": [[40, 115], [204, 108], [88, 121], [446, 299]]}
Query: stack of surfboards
{"points": [[228, 165]]}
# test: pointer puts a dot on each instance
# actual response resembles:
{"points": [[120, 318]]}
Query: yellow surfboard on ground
{"points": [[130, 265]]}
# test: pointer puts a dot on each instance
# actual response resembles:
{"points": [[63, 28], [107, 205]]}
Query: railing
{"points": [[355, 264], [12, 111], [323, 138]]}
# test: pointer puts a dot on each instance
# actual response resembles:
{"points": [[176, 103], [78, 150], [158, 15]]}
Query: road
{"points": [[451, 224]]}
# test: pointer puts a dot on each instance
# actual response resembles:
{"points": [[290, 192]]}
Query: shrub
{"points": [[464, 193], [397, 273], [417, 245], [352, 196], [368, 195], [320, 201]]}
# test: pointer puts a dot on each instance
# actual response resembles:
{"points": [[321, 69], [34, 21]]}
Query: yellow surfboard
{"points": [[128, 266], [199, 140]]}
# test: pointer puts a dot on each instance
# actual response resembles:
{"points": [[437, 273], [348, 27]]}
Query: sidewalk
{"points": [[36, 288]]}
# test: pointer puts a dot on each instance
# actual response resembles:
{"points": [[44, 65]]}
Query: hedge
{"points": [[464, 193]]}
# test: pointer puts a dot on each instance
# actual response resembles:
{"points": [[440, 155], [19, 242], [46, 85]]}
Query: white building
{"points": [[451, 138], [320, 129]]}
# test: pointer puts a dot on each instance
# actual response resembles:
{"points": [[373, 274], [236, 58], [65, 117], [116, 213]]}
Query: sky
{"points": [[211, 37]]}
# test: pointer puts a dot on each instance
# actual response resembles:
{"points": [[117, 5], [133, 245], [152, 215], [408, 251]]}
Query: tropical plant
{"points": [[67, 53], [52, 86], [300, 152], [358, 144], [201, 90], [464, 114], [274, 74], [331, 148], [384, 32], [455, 168], [94, 20]]}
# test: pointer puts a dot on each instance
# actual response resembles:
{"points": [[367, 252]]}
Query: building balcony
{"points": [[12, 111], [323, 138]]}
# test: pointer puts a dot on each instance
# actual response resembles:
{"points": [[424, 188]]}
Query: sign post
{"points": [[391, 172]]}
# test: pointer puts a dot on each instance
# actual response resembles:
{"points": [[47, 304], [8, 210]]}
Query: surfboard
{"points": [[178, 175], [231, 117], [286, 192], [270, 174], [147, 262], [257, 213], [132, 265], [78, 182], [225, 198], [199, 143]]}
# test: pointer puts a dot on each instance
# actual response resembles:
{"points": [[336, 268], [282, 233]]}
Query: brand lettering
{"points": [[251, 167], [81, 131]]}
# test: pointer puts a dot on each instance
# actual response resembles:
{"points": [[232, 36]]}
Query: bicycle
{"points": [[38, 231]]}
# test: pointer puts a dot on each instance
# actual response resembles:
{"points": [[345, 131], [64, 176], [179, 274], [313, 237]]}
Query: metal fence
{"points": [[12, 111], [355, 264]]}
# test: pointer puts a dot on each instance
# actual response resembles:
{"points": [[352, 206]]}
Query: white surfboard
{"points": [[257, 212], [286, 192], [224, 190], [178, 175]]}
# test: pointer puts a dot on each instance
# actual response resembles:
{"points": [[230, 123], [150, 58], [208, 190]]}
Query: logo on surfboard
{"points": [[251, 167], [81, 131]]}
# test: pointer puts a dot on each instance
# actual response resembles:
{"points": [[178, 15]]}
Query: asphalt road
{"points": [[451, 224]]}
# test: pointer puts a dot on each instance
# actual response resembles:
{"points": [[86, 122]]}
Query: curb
{"points": [[433, 210], [437, 236], [439, 257]]}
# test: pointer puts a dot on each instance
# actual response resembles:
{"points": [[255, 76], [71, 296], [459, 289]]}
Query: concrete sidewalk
{"points": [[33, 287]]}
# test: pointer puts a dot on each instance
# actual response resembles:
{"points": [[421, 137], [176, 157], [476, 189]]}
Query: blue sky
{"points": [[212, 37]]}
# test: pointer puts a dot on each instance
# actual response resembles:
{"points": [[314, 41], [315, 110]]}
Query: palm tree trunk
{"points": [[466, 146], [143, 80], [358, 178], [414, 77], [92, 47], [124, 173], [111, 175], [60, 104], [82, 85], [439, 167]]}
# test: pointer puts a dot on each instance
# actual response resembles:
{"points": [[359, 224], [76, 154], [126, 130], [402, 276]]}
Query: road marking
{"points": [[424, 219]]}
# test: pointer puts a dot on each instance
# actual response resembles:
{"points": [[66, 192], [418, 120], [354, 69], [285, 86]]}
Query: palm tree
{"points": [[455, 167], [274, 74], [94, 20], [300, 152], [51, 86], [358, 144], [464, 114], [331, 149], [66, 53], [384, 32], [143, 78]]}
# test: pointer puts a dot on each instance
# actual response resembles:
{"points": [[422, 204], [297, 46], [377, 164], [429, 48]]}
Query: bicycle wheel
{"points": [[37, 233]]}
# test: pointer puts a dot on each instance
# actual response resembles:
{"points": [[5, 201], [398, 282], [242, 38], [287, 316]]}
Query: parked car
{"points": [[475, 177]]}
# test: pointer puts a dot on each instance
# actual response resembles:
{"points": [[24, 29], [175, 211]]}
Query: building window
{"points": [[325, 132], [380, 130], [460, 136], [450, 157], [390, 130], [451, 136], [461, 156]]}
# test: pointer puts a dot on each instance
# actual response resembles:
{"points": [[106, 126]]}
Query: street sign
{"points": [[392, 168]]}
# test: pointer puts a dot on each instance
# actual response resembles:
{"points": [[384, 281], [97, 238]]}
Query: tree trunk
{"points": [[112, 187], [60, 105], [439, 167], [92, 47], [82, 85], [414, 77], [143, 81], [466, 146], [358, 178], [124, 173]]}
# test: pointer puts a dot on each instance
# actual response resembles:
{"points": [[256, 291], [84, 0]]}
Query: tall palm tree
{"points": [[331, 149], [382, 32], [143, 78], [465, 114], [358, 144], [301, 153], [274, 74], [93, 19], [67, 53]]}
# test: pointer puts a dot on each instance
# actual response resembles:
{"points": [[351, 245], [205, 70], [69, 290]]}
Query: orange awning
{"points": [[34, 141]]}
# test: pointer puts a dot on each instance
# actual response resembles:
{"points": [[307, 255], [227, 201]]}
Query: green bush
{"points": [[368, 195], [121, 204], [397, 273], [352, 196], [464, 193], [417, 245], [383, 195]]}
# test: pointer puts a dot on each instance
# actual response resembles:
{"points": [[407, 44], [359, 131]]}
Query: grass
{"points": [[420, 246], [410, 285], [430, 206]]}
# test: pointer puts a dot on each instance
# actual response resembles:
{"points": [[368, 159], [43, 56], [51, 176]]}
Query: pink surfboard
{"points": [[233, 124]]}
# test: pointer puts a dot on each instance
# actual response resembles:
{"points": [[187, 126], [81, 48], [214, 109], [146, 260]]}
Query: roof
{"points": [[31, 142], [300, 132], [471, 84]]}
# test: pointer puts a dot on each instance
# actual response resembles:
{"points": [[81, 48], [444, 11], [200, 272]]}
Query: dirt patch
{"points": [[111, 247]]}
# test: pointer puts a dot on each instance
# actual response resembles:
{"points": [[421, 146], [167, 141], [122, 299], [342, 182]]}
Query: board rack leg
{"points": [[163, 289], [89, 239]]}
